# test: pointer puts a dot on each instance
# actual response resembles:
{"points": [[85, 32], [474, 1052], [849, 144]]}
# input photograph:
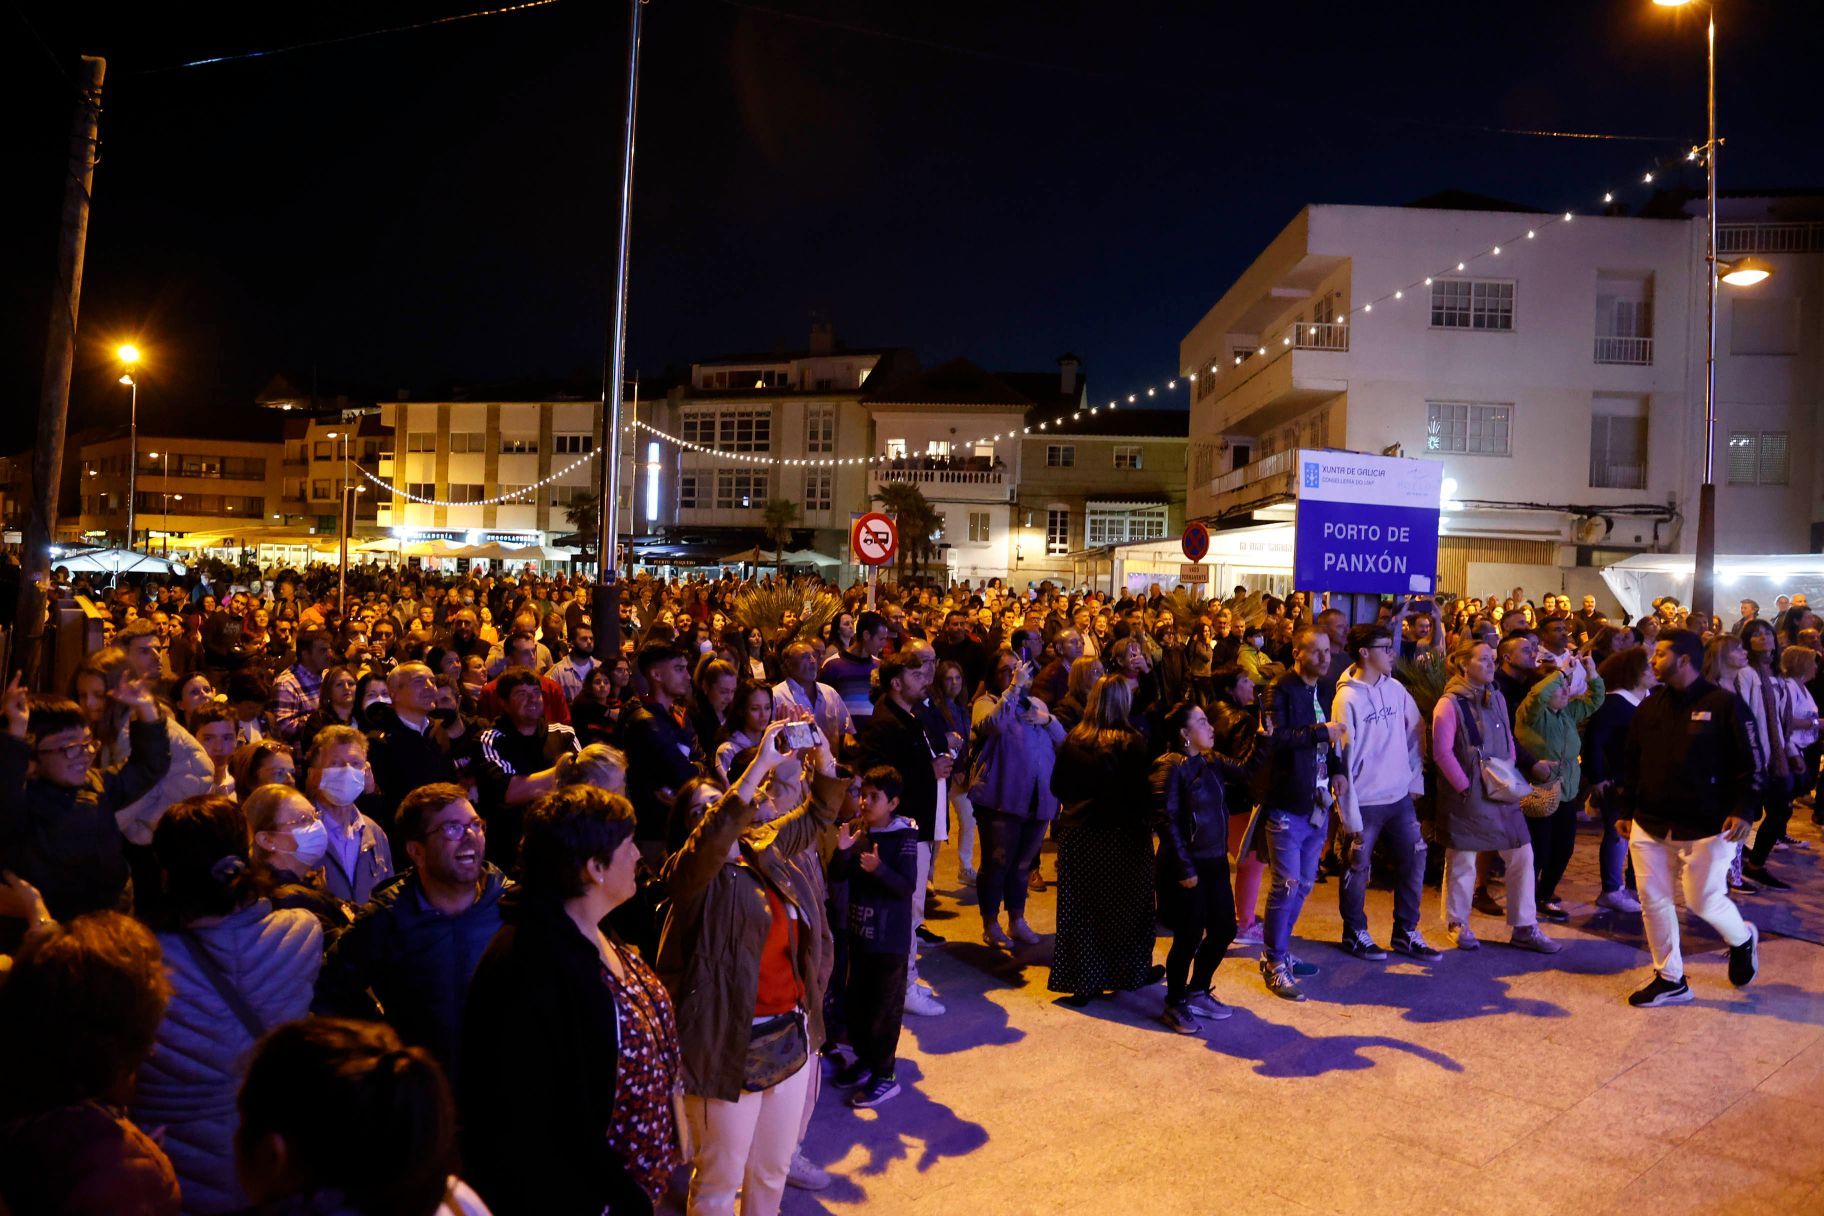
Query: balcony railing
{"points": [[1606, 476], [1624, 350], [1259, 470], [1320, 335], [1805, 237], [946, 477]]}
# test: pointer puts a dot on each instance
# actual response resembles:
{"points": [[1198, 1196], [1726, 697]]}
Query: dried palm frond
{"points": [[1424, 677], [764, 607]]}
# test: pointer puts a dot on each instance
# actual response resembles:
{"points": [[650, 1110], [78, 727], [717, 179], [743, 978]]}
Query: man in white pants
{"points": [[1688, 773]]}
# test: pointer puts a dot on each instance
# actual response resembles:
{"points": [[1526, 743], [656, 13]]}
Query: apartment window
{"points": [[739, 488], [979, 528], [1060, 455], [820, 429], [896, 449], [1106, 525], [514, 496], [518, 447], [294, 451], [1469, 428], [468, 441], [421, 441], [699, 427], [1624, 319], [939, 448], [1127, 455], [322, 449], [1057, 531], [421, 489], [744, 430], [467, 492], [320, 490], [573, 444], [1758, 458], [563, 496], [689, 494], [1486, 304], [1618, 443], [817, 495]]}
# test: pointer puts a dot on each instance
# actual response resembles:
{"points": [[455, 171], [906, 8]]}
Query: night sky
{"points": [[999, 179]]}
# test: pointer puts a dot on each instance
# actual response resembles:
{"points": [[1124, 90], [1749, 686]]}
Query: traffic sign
{"points": [[1196, 541], [1193, 573], [874, 539]]}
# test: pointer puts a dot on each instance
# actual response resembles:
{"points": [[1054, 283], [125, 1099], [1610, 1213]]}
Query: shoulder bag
{"points": [[1502, 780]]}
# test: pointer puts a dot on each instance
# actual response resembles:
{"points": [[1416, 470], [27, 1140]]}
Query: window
{"points": [[321, 450], [1127, 455], [294, 451], [1057, 531], [699, 427], [896, 449], [572, 444], [467, 492], [817, 495], [320, 490], [421, 489], [689, 496], [979, 528], [1624, 319], [515, 496], [939, 448], [1113, 525], [744, 377], [1618, 444], [1758, 458], [421, 441], [518, 447], [744, 430], [739, 488], [468, 441], [820, 429], [1060, 455], [1469, 428], [563, 496], [1472, 304]]}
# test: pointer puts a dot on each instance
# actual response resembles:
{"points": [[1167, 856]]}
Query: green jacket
{"points": [[1554, 736]]}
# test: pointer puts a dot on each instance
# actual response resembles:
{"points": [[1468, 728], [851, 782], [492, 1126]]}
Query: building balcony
{"points": [[1264, 480], [1803, 237], [1294, 376], [1636, 351], [950, 484]]}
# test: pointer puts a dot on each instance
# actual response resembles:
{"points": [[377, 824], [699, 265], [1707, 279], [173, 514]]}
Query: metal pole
{"points": [[342, 572], [605, 606], [132, 454], [1703, 582]]}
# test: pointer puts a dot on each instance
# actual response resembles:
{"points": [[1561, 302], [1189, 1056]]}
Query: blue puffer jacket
{"points": [[187, 1086]]}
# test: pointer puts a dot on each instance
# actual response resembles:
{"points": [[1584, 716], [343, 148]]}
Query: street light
{"points": [[128, 354], [1742, 273], [164, 474]]}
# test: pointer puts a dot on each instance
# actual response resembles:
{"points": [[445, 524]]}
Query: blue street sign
{"points": [[1366, 524]]}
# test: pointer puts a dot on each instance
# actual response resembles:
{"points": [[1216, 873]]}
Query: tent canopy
{"points": [[116, 561], [1762, 577], [810, 557]]}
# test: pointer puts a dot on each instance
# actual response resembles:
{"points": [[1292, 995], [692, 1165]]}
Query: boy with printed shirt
{"points": [[880, 863]]}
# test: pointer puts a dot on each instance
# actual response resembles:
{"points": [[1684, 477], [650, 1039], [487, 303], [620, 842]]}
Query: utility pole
{"points": [[59, 357], [606, 602]]}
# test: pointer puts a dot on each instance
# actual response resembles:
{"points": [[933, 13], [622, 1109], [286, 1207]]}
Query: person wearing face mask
{"points": [[406, 745], [370, 694], [414, 946], [289, 842], [359, 857], [570, 1063]]}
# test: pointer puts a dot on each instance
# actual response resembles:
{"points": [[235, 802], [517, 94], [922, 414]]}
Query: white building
{"points": [[1560, 381]]}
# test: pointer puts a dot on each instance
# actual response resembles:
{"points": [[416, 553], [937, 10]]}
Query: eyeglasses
{"points": [[456, 829], [73, 751]]}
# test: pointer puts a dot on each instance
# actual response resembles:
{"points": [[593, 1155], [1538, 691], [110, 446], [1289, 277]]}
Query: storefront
{"points": [[1257, 557]]}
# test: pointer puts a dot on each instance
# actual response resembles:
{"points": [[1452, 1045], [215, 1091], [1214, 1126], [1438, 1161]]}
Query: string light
{"points": [[479, 502]]}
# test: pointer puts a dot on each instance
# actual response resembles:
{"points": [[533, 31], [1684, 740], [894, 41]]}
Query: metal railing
{"points": [[947, 477], [1610, 349], [1320, 335], [1259, 470], [1606, 476], [1800, 237]]}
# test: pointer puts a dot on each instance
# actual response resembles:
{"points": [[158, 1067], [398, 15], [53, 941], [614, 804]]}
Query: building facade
{"points": [[195, 494]]}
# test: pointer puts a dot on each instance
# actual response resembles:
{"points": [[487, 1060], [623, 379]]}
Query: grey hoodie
{"points": [[1380, 747]]}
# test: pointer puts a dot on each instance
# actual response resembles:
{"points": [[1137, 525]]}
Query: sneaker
{"points": [[1618, 901], [1035, 881], [1021, 932], [1253, 935], [856, 1073], [965, 877], [1486, 904], [1766, 880], [806, 1176], [1530, 937], [994, 935], [1745, 959], [1302, 969], [1793, 842], [1661, 991], [878, 1090], [921, 1002], [1280, 982], [1206, 1006], [929, 937], [1178, 1018], [1412, 944], [1741, 886], [1362, 945], [1463, 937], [1553, 910]]}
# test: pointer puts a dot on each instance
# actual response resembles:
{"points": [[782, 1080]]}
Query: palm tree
{"points": [[580, 515], [918, 522], [777, 518]]}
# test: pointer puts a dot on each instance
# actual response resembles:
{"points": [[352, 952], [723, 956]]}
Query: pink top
{"points": [[1443, 744]]}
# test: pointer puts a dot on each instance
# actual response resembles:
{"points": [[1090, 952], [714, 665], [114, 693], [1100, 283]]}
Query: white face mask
{"points": [[342, 785], [309, 841]]}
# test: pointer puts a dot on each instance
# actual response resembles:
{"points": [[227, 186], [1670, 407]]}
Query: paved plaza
{"points": [[1493, 1082]]}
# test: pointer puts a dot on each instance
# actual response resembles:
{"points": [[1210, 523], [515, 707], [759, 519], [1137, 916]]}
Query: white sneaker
{"points": [[1253, 935], [806, 1176], [1618, 901], [1022, 932], [921, 1002]]}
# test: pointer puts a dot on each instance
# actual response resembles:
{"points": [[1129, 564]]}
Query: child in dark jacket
{"points": [[880, 863]]}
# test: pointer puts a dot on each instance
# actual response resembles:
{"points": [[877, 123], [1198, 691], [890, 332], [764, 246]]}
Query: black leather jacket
{"points": [[1190, 809]]}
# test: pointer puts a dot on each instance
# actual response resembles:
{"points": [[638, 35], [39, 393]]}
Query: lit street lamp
{"points": [[128, 354], [1745, 272]]}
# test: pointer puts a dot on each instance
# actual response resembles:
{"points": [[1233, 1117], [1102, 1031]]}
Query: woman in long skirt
{"points": [[1105, 852]]}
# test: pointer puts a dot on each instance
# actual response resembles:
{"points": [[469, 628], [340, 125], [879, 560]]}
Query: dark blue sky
{"points": [[1000, 180]]}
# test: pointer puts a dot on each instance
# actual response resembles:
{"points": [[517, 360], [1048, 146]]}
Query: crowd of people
{"points": [[430, 904]]}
